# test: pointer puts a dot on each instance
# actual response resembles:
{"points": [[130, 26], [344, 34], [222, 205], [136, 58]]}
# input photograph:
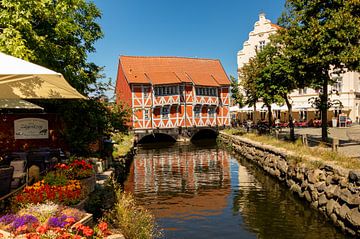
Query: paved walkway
{"points": [[346, 136]]}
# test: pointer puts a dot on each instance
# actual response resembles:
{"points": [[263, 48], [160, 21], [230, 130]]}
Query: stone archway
{"points": [[156, 137], [207, 133]]}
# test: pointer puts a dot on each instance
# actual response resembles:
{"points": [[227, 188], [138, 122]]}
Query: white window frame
{"points": [[165, 111], [211, 112], [197, 110], [146, 114]]}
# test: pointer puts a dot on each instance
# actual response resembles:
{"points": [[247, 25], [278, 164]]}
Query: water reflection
{"points": [[201, 191]]}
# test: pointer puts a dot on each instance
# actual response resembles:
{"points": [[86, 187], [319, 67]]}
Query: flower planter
{"points": [[86, 220]]}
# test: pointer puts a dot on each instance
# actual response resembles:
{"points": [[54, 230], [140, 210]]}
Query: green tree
{"points": [[248, 75], [55, 34], [281, 73], [236, 95], [59, 35], [323, 38]]}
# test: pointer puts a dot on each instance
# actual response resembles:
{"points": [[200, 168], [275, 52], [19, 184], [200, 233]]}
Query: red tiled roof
{"points": [[162, 78], [173, 70], [202, 79], [276, 26]]}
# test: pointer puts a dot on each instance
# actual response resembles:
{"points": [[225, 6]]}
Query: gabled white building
{"points": [[347, 85]]}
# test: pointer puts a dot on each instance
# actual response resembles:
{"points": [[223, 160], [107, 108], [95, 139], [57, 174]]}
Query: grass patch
{"points": [[323, 153], [123, 144], [235, 131]]}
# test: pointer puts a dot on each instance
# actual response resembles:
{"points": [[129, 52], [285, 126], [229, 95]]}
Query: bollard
{"points": [[304, 139], [276, 134], [335, 144]]}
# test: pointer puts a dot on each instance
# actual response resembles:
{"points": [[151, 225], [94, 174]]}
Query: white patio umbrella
{"points": [[25, 80], [18, 104]]}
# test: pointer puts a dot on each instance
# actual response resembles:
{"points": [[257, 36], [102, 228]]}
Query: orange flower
{"points": [[70, 220], [1, 235], [41, 229], [32, 236], [88, 231], [103, 226], [21, 228]]}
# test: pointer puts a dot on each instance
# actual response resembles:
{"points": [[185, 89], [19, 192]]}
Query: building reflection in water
{"points": [[181, 182]]}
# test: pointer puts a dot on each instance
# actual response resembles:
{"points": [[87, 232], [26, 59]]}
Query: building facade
{"points": [[347, 85], [173, 92]]}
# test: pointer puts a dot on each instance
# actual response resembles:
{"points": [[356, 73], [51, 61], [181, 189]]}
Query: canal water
{"points": [[203, 191]]}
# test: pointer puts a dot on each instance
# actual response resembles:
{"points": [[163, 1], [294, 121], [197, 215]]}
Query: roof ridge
{"points": [[177, 57]]}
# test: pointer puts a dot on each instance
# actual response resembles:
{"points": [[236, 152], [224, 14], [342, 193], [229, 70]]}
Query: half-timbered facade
{"points": [[173, 92]]}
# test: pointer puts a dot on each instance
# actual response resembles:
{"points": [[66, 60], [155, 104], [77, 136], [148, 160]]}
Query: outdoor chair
{"points": [[19, 176], [6, 175]]}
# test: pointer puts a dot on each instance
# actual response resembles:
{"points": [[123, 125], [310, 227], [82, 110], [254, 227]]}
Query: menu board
{"points": [[31, 128], [342, 120]]}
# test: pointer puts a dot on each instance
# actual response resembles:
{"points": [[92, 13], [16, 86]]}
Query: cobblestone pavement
{"points": [[347, 146]]}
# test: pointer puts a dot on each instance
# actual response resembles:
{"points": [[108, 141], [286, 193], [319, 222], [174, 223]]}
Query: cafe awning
{"points": [[20, 79], [18, 104]]}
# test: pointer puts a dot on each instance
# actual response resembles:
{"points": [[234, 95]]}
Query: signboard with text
{"points": [[342, 120], [31, 128]]}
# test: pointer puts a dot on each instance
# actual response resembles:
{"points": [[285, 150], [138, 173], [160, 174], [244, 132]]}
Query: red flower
{"points": [[70, 220], [88, 231], [32, 236], [103, 226], [41, 229]]}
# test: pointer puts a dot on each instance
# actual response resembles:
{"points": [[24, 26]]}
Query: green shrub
{"points": [[135, 222], [55, 178]]}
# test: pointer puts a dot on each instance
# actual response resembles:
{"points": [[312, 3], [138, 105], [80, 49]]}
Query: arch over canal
{"points": [[156, 137], [206, 133]]}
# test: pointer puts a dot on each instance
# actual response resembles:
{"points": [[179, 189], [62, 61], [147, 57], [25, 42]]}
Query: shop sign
{"points": [[31, 128]]}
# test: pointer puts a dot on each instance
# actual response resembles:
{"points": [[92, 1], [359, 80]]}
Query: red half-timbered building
{"points": [[173, 92]]}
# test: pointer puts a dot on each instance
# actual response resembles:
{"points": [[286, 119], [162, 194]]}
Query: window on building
{"points": [[165, 112], [337, 86], [250, 115], [277, 114], [261, 45], [262, 115], [146, 114], [146, 92], [303, 115], [197, 111], [211, 112], [205, 91], [337, 112]]}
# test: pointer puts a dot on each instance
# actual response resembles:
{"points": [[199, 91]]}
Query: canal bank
{"points": [[332, 190]]}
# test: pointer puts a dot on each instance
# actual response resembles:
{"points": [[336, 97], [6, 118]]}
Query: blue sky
{"points": [[190, 28]]}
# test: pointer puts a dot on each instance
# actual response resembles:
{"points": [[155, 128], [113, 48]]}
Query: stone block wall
{"points": [[332, 190]]}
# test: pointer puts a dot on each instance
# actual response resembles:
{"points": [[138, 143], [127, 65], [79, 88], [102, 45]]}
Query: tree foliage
{"points": [[59, 35], [322, 37], [55, 34], [236, 95]]}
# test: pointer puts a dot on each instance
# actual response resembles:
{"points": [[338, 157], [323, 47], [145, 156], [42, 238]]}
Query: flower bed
{"points": [[68, 194], [50, 220]]}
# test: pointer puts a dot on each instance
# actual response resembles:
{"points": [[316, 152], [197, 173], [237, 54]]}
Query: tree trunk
{"points": [[324, 108], [291, 123], [269, 116], [254, 115]]}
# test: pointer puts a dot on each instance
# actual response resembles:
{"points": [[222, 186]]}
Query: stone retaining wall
{"points": [[332, 190]]}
